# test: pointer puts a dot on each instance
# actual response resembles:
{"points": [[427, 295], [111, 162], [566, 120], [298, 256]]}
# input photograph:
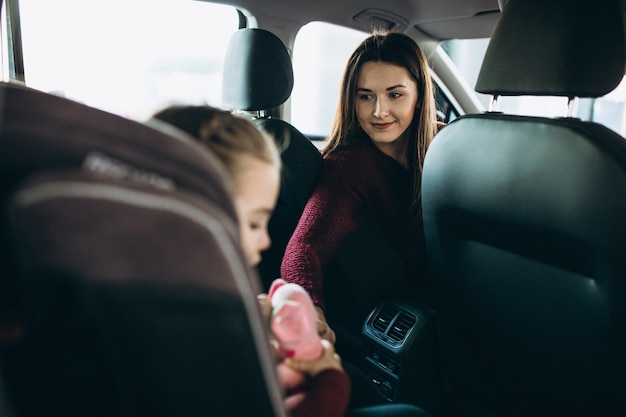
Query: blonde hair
{"points": [[230, 137]]}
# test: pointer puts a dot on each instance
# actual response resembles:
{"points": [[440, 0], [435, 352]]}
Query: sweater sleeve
{"points": [[328, 396], [334, 211]]}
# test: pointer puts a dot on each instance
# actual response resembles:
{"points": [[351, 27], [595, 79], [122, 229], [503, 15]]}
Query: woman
{"points": [[372, 166]]}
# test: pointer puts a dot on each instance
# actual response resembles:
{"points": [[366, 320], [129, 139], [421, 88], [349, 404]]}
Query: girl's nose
{"points": [[264, 242]]}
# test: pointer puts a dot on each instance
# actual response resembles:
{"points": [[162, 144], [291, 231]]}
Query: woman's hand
{"points": [[329, 360]]}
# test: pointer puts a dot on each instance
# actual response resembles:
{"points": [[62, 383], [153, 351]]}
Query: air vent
{"points": [[384, 319], [401, 326], [391, 324]]}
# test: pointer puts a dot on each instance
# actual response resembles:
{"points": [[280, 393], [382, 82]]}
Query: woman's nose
{"points": [[380, 108]]}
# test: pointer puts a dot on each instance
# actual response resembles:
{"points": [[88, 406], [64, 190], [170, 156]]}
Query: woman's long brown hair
{"points": [[396, 49]]}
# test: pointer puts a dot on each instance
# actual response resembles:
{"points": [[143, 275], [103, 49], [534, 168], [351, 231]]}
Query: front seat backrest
{"points": [[525, 225], [258, 77], [137, 297]]}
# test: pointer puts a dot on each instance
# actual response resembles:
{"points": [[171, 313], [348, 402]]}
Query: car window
{"points": [[127, 57], [609, 110], [320, 54]]}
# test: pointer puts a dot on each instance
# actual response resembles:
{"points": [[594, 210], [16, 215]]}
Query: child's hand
{"points": [[266, 306], [323, 329], [329, 360]]}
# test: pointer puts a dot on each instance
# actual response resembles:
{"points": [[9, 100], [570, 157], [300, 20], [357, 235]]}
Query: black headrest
{"points": [[555, 47], [257, 72]]}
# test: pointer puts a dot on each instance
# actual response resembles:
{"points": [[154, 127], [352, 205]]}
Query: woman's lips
{"points": [[381, 126]]}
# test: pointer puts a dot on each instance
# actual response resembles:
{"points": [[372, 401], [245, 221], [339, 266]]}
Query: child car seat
{"points": [[121, 245]]}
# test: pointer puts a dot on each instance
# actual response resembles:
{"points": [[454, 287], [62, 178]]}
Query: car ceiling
{"points": [[428, 19]]}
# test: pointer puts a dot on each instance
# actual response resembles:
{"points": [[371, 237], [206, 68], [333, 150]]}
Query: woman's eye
{"points": [[365, 97], [395, 95]]}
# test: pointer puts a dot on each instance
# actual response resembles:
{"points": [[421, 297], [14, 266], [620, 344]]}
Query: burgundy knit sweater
{"points": [[355, 182]]}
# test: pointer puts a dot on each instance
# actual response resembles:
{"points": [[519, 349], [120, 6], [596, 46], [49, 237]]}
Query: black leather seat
{"points": [[258, 77], [525, 225], [136, 297]]}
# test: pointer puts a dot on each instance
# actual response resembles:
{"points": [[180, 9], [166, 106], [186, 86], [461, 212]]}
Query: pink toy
{"points": [[294, 325]]}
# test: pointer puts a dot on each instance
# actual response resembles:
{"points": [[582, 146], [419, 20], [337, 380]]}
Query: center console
{"points": [[401, 358]]}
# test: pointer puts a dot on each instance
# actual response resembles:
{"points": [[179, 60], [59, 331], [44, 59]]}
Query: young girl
{"points": [[254, 163], [372, 166]]}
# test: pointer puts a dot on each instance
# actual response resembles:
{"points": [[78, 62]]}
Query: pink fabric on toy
{"points": [[294, 325]]}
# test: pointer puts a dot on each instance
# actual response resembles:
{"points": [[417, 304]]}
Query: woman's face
{"points": [[256, 192], [386, 97]]}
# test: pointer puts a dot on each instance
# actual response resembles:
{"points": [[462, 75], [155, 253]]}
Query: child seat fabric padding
{"points": [[123, 242]]}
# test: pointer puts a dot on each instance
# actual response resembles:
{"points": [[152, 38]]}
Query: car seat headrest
{"points": [[555, 48], [257, 71]]}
